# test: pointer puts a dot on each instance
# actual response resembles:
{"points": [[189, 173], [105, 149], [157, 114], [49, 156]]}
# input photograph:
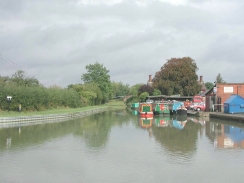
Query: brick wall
{"points": [[225, 90]]}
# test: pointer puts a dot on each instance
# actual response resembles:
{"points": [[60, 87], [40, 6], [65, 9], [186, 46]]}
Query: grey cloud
{"points": [[55, 40]]}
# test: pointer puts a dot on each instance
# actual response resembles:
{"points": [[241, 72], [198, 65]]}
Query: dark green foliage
{"points": [[156, 92], [209, 85], [38, 98], [33, 96], [20, 79], [90, 93], [177, 76], [143, 96], [145, 88], [120, 89]]}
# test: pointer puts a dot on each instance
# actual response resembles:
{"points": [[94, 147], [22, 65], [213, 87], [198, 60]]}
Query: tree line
{"points": [[176, 76]]}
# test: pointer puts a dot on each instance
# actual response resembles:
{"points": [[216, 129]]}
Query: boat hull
{"points": [[146, 114], [178, 112]]}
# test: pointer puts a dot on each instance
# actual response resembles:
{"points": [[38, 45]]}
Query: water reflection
{"points": [[162, 121], [176, 121], [197, 120], [134, 112], [225, 136], [145, 122], [94, 129], [177, 135], [179, 122], [115, 144]]}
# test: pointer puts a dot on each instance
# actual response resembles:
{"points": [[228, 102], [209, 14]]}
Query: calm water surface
{"points": [[119, 147]]}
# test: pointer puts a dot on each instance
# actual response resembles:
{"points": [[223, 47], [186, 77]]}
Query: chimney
{"points": [[200, 79], [150, 78]]}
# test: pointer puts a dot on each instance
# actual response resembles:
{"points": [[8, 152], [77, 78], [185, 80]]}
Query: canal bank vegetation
{"points": [[111, 104], [28, 95], [176, 76]]}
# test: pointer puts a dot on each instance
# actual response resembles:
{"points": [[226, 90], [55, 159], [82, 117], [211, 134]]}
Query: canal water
{"points": [[120, 147]]}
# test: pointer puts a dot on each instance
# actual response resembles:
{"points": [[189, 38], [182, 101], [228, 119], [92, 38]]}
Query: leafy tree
{"points": [[156, 92], [120, 89], [134, 92], [219, 79], [20, 79], [143, 96], [209, 85], [145, 88], [97, 73], [134, 89], [178, 76], [90, 93]]}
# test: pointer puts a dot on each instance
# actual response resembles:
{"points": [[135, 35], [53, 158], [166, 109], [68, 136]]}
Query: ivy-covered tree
{"points": [[178, 76], [97, 73]]}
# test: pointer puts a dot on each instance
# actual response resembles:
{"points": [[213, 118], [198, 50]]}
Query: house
{"points": [[220, 92]]}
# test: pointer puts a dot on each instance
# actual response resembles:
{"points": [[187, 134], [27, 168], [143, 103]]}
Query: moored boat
{"points": [[135, 105], [146, 110], [161, 108], [177, 107]]}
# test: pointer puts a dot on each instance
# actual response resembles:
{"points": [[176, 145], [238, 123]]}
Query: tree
{"points": [[143, 96], [20, 79], [219, 79], [156, 92], [97, 73], [209, 85], [90, 93], [178, 76], [145, 88], [134, 89], [120, 89]]}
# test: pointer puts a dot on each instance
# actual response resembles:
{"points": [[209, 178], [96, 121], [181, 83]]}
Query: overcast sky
{"points": [[54, 40]]}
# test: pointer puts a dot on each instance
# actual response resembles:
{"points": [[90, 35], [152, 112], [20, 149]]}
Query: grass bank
{"points": [[113, 105]]}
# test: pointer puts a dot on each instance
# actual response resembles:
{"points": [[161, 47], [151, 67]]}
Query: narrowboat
{"points": [[145, 110], [161, 108]]}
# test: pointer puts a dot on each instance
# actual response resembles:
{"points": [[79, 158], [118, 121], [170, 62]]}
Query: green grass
{"points": [[113, 104]]}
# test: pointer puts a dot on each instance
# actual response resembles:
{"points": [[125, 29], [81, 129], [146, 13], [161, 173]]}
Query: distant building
{"points": [[150, 82], [222, 91], [203, 87]]}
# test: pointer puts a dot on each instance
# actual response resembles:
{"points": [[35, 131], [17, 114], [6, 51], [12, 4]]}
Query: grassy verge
{"points": [[113, 104]]}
